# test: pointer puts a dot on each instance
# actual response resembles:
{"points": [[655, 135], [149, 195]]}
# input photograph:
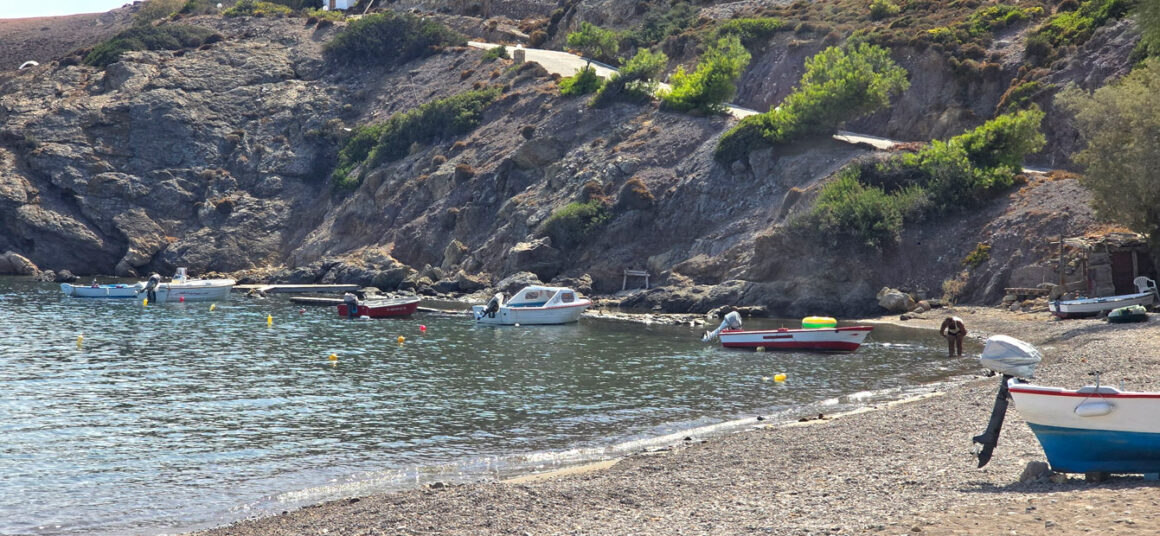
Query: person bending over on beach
{"points": [[954, 331]]}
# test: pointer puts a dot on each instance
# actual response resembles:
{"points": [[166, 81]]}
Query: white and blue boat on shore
{"points": [[1093, 429], [115, 290]]}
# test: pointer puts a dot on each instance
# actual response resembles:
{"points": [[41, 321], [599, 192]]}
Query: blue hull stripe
{"points": [[1075, 450]]}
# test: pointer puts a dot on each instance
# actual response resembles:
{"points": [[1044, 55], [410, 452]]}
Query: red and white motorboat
{"points": [[817, 339], [382, 308]]}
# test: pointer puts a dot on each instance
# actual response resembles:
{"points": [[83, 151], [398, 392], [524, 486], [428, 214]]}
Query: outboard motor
{"points": [[351, 302], [493, 305], [1011, 358], [732, 321]]}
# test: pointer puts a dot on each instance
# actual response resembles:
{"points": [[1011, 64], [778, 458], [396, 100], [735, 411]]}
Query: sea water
{"points": [[123, 418]]}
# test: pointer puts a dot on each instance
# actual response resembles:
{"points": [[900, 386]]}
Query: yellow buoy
{"points": [[818, 322], [144, 302], [212, 306], [269, 320], [779, 377], [401, 339], [80, 339], [333, 357]]}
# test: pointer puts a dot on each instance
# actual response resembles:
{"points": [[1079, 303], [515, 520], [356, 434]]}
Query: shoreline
{"points": [[897, 468]]}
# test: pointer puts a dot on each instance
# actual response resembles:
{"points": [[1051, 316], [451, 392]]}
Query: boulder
{"points": [[513, 283], [12, 263], [894, 300], [536, 256]]}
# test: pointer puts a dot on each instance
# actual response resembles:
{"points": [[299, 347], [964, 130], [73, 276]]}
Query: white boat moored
{"points": [[534, 305]]}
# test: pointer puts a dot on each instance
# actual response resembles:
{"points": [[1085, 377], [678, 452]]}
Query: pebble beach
{"points": [[904, 467]]}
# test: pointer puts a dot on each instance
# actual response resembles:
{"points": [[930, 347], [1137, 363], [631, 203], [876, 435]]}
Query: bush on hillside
{"points": [[839, 84], [571, 224], [636, 81], [1073, 27], [750, 31], [661, 22], [389, 39], [584, 82], [154, 10], [495, 53], [880, 9], [372, 145], [594, 42], [147, 37], [870, 201], [713, 83], [257, 8]]}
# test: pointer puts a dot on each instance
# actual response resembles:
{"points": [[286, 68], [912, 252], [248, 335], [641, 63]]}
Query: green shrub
{"points": [[374, 144], [981, 254], [659, 24], [1075, 27], [155, 10], [846, 207], [585, 81], [594, 42], [713, 83], [636, 81], [839, 84], [199, 7], [495, 53], [389, 39], [332, 15], [257, 8], [749, 30], [571, 224], [147, 37], [880, 9], [870, 201]]}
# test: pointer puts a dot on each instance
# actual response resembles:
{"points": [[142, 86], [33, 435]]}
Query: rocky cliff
{"points": [[219, 159]]}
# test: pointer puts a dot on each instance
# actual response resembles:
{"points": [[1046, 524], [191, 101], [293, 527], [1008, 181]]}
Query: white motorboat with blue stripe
{"points": [[533, 305]]}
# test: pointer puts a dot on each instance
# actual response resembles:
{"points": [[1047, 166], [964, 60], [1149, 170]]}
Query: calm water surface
{"points": [[176, 417]]}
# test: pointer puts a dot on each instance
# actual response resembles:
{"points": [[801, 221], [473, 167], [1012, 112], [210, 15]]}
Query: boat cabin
{"points": [[537, 296]]}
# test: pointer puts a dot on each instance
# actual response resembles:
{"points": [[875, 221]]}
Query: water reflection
{"points": [[178, 416]]}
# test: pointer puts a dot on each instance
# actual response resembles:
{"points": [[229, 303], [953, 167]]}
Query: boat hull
{"points": [[101, 291], [845, 339], [1083, 431], [1093, 306], [528, 316], [195, 290], [383, 308]]}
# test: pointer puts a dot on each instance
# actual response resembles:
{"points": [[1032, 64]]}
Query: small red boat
{"points": [[383, 308]]}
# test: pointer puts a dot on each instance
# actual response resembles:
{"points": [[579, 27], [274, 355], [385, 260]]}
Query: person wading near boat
{"points": [[351, 301], [151, 287], [954, 331]]}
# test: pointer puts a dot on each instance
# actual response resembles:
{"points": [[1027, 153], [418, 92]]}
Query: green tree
{"points": [[585, 81], [594, 42], [636, 81], [1121, 125], [713, 83], [1148, 16], [839, 84]]}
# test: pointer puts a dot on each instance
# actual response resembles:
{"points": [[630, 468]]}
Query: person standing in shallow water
{"points": [[954, 331]]}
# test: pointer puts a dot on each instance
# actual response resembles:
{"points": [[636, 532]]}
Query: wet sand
{"points": [[895, 468]]}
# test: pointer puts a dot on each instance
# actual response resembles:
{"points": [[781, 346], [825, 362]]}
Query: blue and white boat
{"points": [[1094, 428], [116, 290], [1090, 429]]}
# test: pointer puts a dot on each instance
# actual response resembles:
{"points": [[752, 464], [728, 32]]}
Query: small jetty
{"points": [[283, 288]]}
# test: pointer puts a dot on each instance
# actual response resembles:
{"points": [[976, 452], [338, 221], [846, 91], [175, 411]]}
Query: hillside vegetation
{"points": [[277, 142]]}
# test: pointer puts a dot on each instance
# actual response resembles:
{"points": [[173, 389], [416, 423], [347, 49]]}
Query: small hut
{"points": [[1104, 265]]}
